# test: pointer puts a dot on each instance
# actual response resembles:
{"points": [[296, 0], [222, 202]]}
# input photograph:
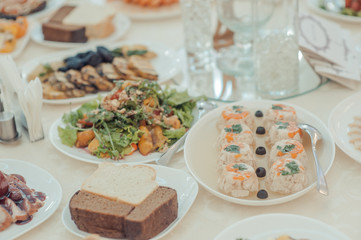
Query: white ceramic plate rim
{"points": [[139, 13], [338, 117], [164, 53], [51, 203], [253, 226], [121, 24], [183, 206], [313, 4], [265, 202]]}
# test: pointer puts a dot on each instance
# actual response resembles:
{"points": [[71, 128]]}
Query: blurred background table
{"points": [[209, 214]]}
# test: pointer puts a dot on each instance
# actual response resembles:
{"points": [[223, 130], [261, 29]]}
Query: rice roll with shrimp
{"points": [[286, 176], [236, 133], [238, 180], [234, 115], [283, 130], [280, 112], [287, 148], [236, 153]]}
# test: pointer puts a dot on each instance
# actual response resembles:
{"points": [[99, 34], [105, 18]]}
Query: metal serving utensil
{"points": [[316, 136], [203, 108]]}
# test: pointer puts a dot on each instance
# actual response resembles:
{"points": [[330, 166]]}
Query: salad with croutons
{"points": [[136, 115]]}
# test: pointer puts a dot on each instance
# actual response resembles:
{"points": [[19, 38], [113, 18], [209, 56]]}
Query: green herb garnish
{"points": [[275, 107], [232, 148], [47, 70], [240, 167], [237, 128], [287, 148], [282, 125], [136, 52], [237, 108], [293, 167]]}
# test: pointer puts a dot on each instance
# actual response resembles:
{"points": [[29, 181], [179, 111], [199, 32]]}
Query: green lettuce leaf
{"points": [[67, 135]]}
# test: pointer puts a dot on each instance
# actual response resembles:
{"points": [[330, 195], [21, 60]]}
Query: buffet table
{"points": [[209, 214]]}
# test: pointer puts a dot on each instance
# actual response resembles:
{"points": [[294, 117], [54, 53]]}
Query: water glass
{"points": [[276, 52], [198, 34]]}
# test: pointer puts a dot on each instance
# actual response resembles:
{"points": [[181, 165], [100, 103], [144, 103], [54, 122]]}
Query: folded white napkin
{"points": [[329, 50], [29, 96]]}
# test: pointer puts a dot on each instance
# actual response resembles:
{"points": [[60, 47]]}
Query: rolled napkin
{"points": [[29, 96]]}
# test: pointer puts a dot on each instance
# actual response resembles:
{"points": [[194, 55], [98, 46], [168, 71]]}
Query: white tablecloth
{"points": [[209, 214]]}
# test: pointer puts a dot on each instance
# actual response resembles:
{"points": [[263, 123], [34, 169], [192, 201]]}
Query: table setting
{"points": [[189, 119]]}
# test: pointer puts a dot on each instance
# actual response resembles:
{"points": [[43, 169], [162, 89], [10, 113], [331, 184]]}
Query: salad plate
{"points": [[201, 154], [121, 25], [341, 116], [272, 226], [40, 180], [166, 65], [182, 182], [315, 6]]}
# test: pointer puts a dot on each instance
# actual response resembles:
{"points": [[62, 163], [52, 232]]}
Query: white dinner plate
{"points": [[182, 182], [40, 180], [314, 5], [22, 42], [341, 116], [271, 226], [166, 65], [143, 13], [201, 154], [121, 25]]}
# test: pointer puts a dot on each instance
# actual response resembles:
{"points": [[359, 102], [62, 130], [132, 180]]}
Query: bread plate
{"points": [[166, 64], [121, 24], [314, 5], [271, 226], [341, 116], [51, 5], [201, 154], [40, 180], [182, 182]]}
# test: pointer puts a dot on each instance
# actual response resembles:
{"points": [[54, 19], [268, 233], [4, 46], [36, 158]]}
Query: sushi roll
{"points": [[286, 176], [287, 149], [238, 180], [283, 130], [234, 115], [280, 112], [236, 153], [236, 133]]}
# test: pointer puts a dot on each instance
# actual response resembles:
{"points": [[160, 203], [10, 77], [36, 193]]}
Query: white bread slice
{"points": [[124, 183], [97, 19]]}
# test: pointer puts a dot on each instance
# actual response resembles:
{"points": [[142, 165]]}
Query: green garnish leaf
{"points": [[236, 128], [240, 167], [287, 148], [282, 125], [67, 135], [293, 167], [237, 108], [232, 148], [275, 107], [136, 52]]}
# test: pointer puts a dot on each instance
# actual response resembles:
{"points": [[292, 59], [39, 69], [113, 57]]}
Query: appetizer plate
{"points": [[271, 226], [201, 154], [166, 64], [22, 42], [40, 180], [143, 13], [341, 116], [315, 6], [121, 24], [182, 182]]}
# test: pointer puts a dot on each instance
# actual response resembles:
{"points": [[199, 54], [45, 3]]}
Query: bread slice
{"points": [[95, 214], [151, 217], [122, 183]]}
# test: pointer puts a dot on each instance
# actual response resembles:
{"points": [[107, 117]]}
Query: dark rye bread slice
{"points": [[153, 215], [94, 214]]}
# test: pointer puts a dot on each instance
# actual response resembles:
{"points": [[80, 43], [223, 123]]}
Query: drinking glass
{"points": [[239, 16]]}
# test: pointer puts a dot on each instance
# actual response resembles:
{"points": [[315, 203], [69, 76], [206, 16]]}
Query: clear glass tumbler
{"points": [[276, 52]]}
